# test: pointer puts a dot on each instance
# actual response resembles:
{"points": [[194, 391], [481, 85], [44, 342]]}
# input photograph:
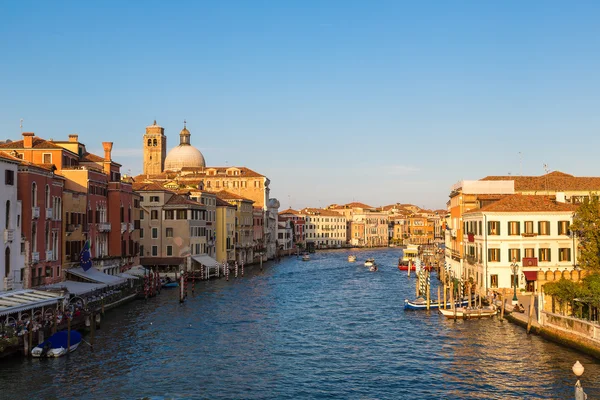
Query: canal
{"points": [[301, 330]]}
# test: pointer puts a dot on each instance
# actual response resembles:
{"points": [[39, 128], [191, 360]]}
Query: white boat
{"points": [[351, 258], [369, 262], [373, 268], [56, 345], [305, 257], [470, 313]]}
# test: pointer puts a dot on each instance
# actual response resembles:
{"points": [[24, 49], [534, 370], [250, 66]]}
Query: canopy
{"points": [[138, 270], [76, 288], [22, 300], [60, 339], [93, 275], [127, 276], [205, 260], [530, 275]]}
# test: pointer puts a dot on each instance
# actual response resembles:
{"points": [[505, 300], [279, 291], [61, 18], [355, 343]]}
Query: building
{"points": [[11, 256], [225, 231], [366, 225], [299, 225], [285, 234], [529, 231], [244, 225], [209, 200], [324, 228], [258, 217]]}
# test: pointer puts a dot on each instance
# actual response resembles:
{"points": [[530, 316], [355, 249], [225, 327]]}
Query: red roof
{"points": [[37, 143], [225, 195], [525, 203], [554, 181]]}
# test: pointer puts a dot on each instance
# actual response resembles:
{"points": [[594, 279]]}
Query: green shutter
{"points": [[519, 228], [558, 231], [519, 252], [509, 259], [540, 254], [489, 253], [489, 228], [498, 230], [539, 228], [549, 254], [569, 254]]}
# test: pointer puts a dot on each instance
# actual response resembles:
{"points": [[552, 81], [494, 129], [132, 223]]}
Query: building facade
{"points": [[11, 258]]}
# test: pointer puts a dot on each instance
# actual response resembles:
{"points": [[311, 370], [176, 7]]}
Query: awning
{"points": [[205, 260], [138, 270], [127, 276], [76, 288], [95, 276], [530, 275], [22, 300]]}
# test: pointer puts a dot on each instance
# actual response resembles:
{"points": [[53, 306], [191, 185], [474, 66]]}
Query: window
{"points": [[154, 251], [181, 214], [544, 255], [169, 250], [530, 253], [563, 227], [529, 227], [514, 254], [141, 214], [9, 177], [168, 214], [141, 233], [544, 228], [514, 228], [154, 199], [154, 233], [494, 255], [494, 281], [493, 228], [169, 232], [564, 254], [47, 158], [154, 214]]}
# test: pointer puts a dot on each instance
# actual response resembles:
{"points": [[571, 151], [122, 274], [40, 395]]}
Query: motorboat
{"points": [[373, 268], [57, 344], [305, 257], [421, 304], [169, 283], [409, 256], [369, 262], [351, 258], [470, 313]]}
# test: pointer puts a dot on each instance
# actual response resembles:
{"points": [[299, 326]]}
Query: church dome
{"points": [[184, 155]]}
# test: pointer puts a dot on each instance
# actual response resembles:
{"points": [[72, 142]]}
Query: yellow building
{"points": [[244, 225], [74, 226], [225, 231]]}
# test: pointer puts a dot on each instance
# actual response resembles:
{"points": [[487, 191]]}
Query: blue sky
{"points": [[334, 101]]}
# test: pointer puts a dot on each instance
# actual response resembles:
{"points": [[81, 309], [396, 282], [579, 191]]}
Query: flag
{"points": [[85, 258]]}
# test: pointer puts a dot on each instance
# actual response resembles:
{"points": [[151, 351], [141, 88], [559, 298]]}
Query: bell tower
{"points": [[155, 149]]}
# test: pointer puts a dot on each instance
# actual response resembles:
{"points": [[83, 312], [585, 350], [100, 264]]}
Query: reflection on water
{"points": [[320, 329]]}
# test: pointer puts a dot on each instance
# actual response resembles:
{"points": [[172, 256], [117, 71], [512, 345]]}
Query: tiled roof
{"points": [[37, 143], [179, 200], [554, 181], [525, 203], [225, 195], [148, 186], [47, 167], [320, 212], [288, 211], [8, 157], [91, 157], [354, 204], [244, 172]]}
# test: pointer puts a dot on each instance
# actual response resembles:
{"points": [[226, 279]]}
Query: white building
{"points": [[12, 260], [285, 235], [527, 230], [325, 228], [270, 235]]}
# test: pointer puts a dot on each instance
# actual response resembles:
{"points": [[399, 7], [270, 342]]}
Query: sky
{"points": [[334, 101]]}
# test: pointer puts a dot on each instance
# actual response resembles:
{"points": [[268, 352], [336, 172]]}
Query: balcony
{"points": [[48, 212], [104, 227], [35, 212], [71, 227], [35, 257], [131, 227], [49, 255], [529, 234], [9, 235], [123, 227]]}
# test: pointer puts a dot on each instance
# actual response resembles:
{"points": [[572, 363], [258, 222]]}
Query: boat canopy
{"points": [[23, 300], [59, 339]]}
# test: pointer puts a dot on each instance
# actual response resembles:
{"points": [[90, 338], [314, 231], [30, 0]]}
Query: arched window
{"points": [[149, 142], [47, 198], [34, 237], [7, 214], [154, 143], [34, 194]]}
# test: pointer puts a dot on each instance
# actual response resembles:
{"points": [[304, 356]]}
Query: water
{"points": [[302, 330]]}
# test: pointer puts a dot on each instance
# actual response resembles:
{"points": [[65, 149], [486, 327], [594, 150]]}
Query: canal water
{"points": [[322, 329]]}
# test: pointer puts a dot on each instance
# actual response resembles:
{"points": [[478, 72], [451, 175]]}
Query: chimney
{"points": [[560, 197], [74, 138], [28, 139], [107, 149]]}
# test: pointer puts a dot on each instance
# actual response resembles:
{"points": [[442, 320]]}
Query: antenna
{"points": [[21, 125]]}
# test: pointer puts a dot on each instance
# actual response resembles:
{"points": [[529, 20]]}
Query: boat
{"points": [[169, 283], [56, 345], [470, 313], [421, 304], [369, 262], [409, 256], [351, 258], [373, 268], [305, 257]]}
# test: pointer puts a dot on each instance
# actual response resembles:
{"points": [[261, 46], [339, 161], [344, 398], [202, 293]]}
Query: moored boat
{"points": [[373, 268], [305, 257], [57, 344], [470, 313], [369, 262], [169, 283], [421, 304], [351, 258]]}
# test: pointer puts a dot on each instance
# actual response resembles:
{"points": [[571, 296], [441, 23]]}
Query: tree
{"points": [[586, 227]]}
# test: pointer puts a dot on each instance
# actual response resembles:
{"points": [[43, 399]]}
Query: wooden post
{"points": [[452, 299], [531, 308], [92, 329], [68, 334], [502, 308], [438, 298], [445, 296], [469, 295], [428, 298], [416, 286]]}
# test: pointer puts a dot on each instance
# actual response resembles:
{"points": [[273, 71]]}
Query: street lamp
{"points": [[515, 269], [578, 371]]}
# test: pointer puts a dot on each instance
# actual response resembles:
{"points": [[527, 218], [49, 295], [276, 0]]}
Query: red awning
{"points": [[530, 275]]}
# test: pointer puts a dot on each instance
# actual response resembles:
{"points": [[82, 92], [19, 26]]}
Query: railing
{"points": [[528, 234], [9, 235], [35, 212], [48, 212], [35, 257], [471, 259], [123, 227], [71, 228], [49, 255], [104, 227], [131, 227], [580, 327]]}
